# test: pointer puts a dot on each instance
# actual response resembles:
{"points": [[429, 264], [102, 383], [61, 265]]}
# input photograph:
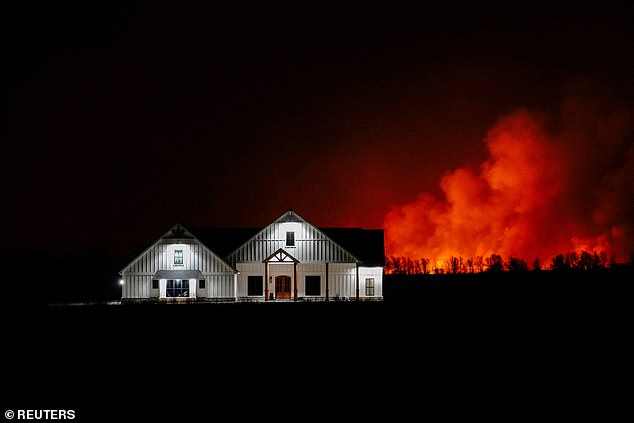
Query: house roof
{"points": [[224, 241], [367, 245]]}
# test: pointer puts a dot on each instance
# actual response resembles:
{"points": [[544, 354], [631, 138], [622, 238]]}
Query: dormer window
{"points": [[290, 239], [178, 256]]}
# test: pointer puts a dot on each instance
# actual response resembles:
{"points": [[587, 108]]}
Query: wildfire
{"points": [[541, 192]]}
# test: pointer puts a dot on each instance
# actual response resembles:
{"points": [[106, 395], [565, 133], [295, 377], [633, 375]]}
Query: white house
{"points": [[289, 260]]}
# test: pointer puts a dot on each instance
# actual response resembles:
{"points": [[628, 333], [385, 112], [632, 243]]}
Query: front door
{"points": [[282, 287]]}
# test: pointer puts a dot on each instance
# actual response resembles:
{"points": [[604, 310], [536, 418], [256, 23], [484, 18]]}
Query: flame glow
{"points": [[540, 192]]}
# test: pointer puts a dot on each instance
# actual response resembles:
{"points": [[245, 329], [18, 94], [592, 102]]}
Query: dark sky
{"points": [[118, 120]]}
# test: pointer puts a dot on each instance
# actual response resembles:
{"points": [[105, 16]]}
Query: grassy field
{"points": [[455, 345]]}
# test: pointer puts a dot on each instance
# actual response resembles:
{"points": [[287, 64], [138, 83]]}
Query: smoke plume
{"points": [[550, 185]]}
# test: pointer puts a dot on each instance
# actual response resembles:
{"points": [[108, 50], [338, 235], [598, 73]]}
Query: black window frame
{"points": [[155, 284], [370, 290], [202, 284], [310, 283], [290, 238], [253, 282], [178, 257], [177, 288]]}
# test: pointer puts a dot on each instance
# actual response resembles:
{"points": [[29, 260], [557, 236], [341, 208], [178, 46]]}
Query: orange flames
{"points": [[543, 191]]}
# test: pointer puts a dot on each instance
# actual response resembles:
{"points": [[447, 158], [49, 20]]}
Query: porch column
{"points": [[357, 281], [266, 281], [327, 287], [235, 286], [295, 280]]}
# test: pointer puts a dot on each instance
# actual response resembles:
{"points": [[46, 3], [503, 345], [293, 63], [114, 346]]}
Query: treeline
{"points": [[584, 261]]}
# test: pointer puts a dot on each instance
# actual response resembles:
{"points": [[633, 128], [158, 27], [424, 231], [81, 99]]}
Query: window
{"points": [[201, 284], [369, 287], [313, 285], [178, 256], [155, 284], [254, 285], [290, 239], [177, 288]]}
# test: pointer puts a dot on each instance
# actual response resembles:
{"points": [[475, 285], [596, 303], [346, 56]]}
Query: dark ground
{"points": [[536, 345]]}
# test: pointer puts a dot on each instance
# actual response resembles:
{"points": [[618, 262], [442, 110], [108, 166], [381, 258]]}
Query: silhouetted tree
{"points": [[479, 263], [517, 265], [409, 266], [494, 263], [558, 262], [588, 261], [454, 265], [470, 264], [425, 265], [435, 265], [537, 265], [571, 260]]}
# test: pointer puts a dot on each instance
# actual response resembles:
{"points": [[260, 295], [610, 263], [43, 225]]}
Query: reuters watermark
{"points": [[40, 414]]}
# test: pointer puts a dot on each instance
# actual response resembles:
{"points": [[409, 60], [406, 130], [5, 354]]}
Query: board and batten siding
{"points": [[311, 245], [342, 278], [137, 276]]}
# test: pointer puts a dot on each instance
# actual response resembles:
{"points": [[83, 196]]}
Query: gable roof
{"points": [[280, 256], [177, 232], [367, 245], [267, 240], [364, 245]]}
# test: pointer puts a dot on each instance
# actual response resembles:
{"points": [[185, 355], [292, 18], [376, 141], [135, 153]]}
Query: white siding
{"points": [[137, 276], [161, 257], [342, 280], [311, 269], [375, 273], [246, 270], [220, 286], [137, 286], [311, 245]]}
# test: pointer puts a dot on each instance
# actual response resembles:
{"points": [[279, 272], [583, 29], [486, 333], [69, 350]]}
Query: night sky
{"points": [[118, 120]]}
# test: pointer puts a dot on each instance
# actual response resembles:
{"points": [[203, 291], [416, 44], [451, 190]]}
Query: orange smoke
{"points": [[541, 192]]}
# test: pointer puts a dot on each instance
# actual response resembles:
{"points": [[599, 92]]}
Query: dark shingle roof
{"points": [[224, 241], [367, 245]]}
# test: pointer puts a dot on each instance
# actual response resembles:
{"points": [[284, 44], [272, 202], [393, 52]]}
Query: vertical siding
{"points": [[220, 286], [342, 277], [138, 275], [310, 245], [136, 286], [343, 280]]}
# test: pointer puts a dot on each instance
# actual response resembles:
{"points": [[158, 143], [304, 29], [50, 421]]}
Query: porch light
{"points": [[120, 281]]}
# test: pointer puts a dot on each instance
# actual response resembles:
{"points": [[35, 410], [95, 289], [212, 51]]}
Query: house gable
{"points": [[197, 257], [293, 234]]}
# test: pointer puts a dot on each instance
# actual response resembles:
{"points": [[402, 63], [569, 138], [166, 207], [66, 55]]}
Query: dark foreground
{"points": [[467, 350]]}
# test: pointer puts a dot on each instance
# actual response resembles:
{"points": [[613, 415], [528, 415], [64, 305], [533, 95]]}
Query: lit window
{"points": [[313, 285], [178, 257], [201, 284], [177, 288], [155, 284], [369, 287], [254, 285], [290, 239]]}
